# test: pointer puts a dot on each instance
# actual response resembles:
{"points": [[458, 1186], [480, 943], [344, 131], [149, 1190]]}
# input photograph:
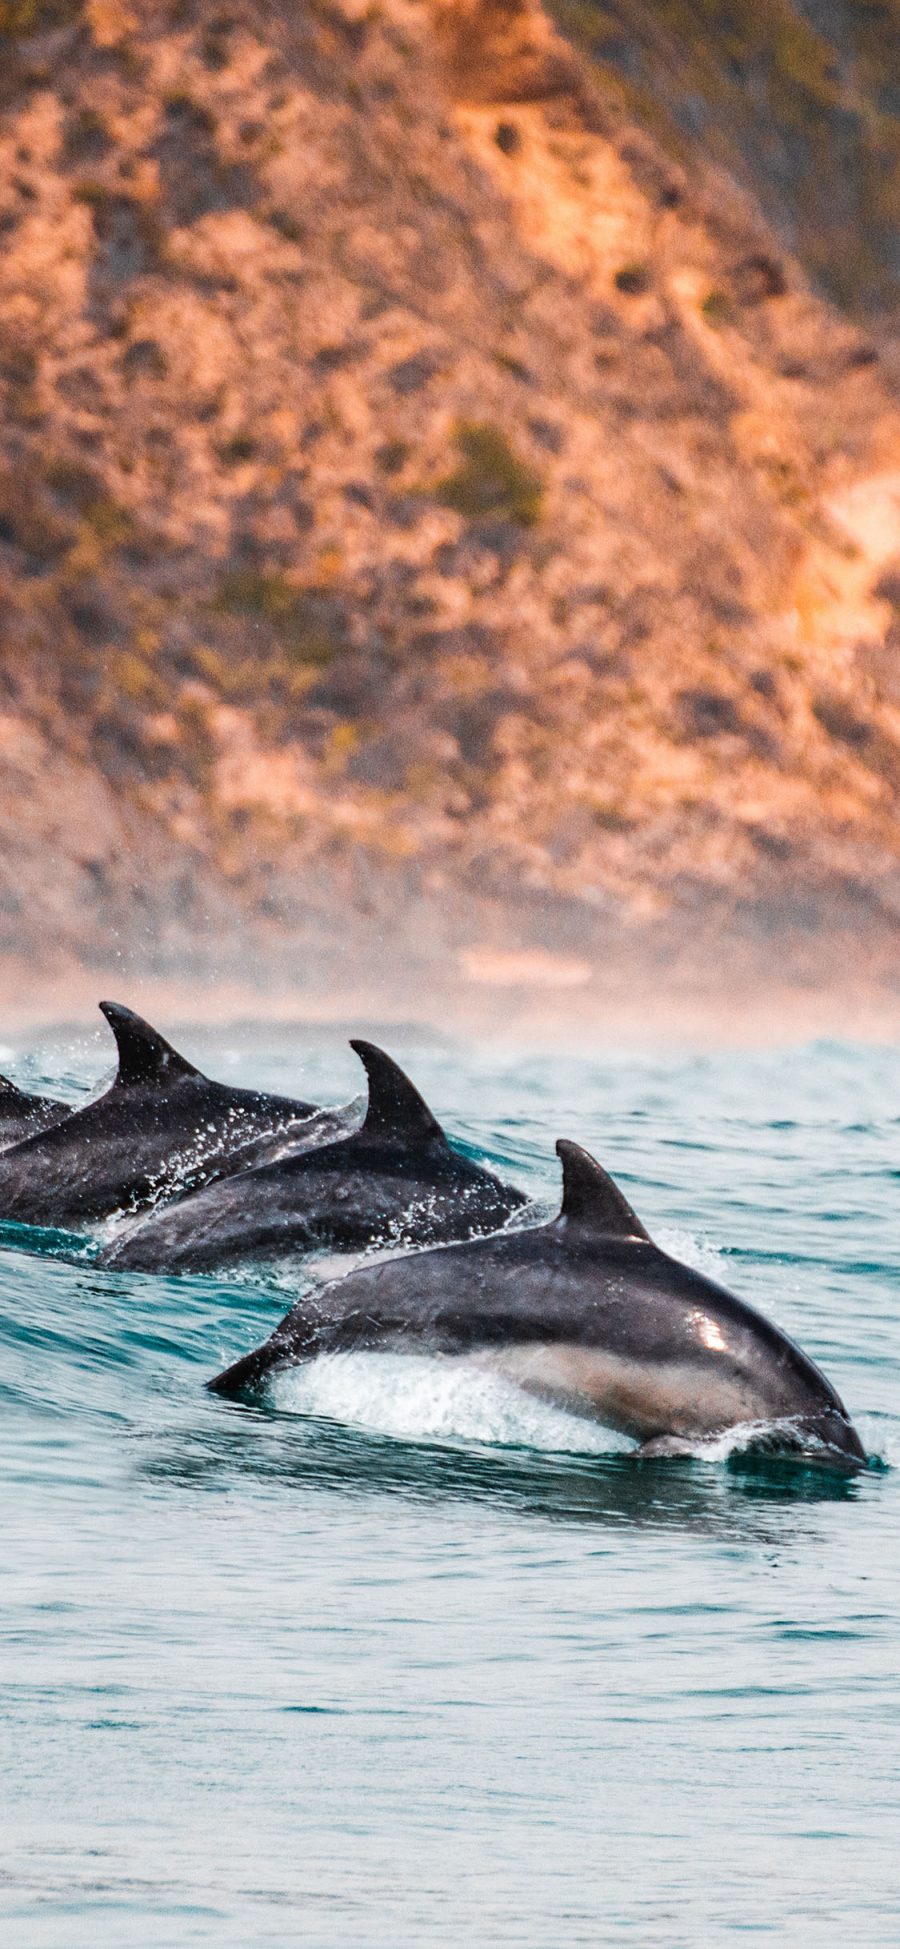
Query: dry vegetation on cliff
{"points": [[416, 473]]}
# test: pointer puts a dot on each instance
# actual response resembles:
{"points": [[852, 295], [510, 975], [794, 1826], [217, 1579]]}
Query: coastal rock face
{"points": [[800, 99], [424, 467]]}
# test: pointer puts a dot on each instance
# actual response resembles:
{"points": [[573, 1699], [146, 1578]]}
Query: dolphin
{"points": [[397, 1176], [22, 1114], [584, 1311], [160, 1128]]}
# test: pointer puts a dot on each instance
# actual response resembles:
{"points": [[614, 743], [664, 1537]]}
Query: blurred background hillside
{"points": [[450, 500]]}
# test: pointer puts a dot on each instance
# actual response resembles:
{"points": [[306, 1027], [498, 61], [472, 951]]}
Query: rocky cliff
{"points": [[431, 489]]}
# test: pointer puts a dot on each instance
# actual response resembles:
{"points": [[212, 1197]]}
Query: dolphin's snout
{"points": [[839, 1436]]}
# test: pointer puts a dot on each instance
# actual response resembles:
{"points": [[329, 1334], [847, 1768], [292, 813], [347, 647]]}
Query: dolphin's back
{"points": [[111, 1153], [340, 1193], [627, 1296], [395, 1177]]}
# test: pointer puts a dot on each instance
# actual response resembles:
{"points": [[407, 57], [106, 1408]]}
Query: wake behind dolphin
{"points": [[587, 1312]]}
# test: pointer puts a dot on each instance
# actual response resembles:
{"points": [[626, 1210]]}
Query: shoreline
{"points": [[624, 1009]]}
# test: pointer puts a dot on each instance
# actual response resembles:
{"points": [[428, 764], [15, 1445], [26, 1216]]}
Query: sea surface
{"points": [[406, 1660]]}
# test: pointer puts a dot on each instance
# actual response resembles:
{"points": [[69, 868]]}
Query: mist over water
{"points": [[405, 1657]]}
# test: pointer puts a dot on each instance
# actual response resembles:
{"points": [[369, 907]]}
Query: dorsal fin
{"points": [[395, 1107], [144, 1055], [591, 1197], [11, 1093]]}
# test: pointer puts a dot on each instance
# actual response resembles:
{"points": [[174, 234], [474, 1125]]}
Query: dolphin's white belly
{"points": [[643, 1398]]}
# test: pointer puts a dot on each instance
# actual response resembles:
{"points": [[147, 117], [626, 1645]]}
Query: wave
{"points": [[417, 1397]]}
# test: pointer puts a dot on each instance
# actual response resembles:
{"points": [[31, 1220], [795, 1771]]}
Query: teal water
{"points": [[404, 1661]]}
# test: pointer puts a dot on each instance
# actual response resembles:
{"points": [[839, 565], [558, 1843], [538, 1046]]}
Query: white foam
{"points": [[430, 1398], [418, 1397], [693, 1251], [881, 1442]]}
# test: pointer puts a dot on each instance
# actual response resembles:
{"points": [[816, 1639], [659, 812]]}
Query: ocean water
{"points": [[408, 1659]]}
